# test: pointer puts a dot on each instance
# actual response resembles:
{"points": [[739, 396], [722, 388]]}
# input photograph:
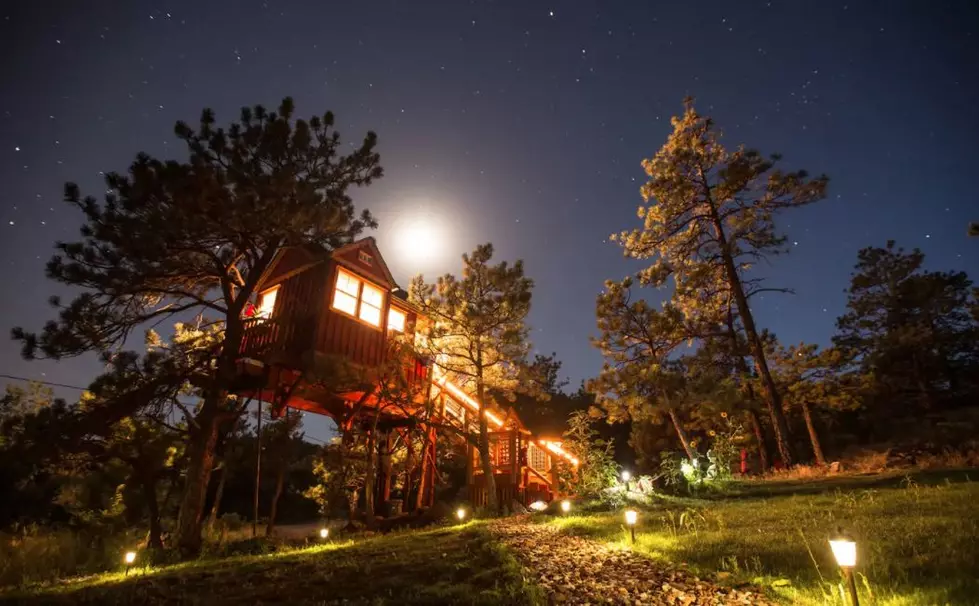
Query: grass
{"points": [[918, 539], [447, 565]]}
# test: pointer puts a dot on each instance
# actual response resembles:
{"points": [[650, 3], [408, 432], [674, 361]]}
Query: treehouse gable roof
{"points": [[361, 257]]}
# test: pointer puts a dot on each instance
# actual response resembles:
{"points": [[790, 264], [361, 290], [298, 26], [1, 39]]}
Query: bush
{"points": [[33, 554]]}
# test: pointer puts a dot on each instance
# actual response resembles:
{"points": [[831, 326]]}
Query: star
{"points": [[16, 148]]}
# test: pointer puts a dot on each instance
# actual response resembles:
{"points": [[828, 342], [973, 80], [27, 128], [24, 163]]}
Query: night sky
{"points": [[519, 123]]}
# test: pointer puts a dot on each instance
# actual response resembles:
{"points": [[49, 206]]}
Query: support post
{"points": [[258, 470]]}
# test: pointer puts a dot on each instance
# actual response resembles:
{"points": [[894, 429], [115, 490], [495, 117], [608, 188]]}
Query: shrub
{"points": [[32, 554]]}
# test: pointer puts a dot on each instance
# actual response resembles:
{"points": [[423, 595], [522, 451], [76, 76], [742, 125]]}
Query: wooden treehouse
{"points": [[317, 309]]}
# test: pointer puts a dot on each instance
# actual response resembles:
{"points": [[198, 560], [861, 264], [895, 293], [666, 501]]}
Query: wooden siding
{"points": [[290, 262], [287, 335]]}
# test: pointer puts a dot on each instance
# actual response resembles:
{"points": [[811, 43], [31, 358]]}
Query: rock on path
{"points": [[575, 570]]}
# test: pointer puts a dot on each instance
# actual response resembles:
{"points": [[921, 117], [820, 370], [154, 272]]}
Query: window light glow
{"points": [[346, 293], [371, 302], [397, 319], [267, 303]]}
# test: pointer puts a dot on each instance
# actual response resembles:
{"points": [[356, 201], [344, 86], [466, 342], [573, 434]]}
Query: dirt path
{"points": [[575, 570]]}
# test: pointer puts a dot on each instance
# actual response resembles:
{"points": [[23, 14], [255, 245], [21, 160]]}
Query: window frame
{"points": [[359, 299]]}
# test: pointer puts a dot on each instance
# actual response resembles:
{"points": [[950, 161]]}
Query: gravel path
{"points": [[575, 570]]}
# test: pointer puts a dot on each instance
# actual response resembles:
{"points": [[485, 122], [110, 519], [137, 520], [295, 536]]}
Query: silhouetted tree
{"points": [[178, 237], [909, 328]]}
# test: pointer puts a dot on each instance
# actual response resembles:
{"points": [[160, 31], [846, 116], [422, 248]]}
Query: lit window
{"points": [[267, 303], [365, 258], [396, 320], [346, 293], [371, 302]]}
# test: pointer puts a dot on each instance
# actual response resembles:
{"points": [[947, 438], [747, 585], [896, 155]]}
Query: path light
{"points": [[130, 559], [845, 551], [461, 514], [565, 506], [626, 476], [631, 515], [324, 533]]}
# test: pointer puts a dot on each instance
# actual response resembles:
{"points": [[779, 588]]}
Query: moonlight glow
{"points": [[421, 237]]}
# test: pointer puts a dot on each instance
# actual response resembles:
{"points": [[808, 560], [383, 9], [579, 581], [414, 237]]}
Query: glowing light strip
{"points": [[466, 399], [555, 447]]}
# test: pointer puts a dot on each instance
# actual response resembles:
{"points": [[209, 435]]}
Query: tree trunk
{"points": [[218, 496], [772, 400], [484, 449], [409, 470], [369, 476], [817, 448], [258, 471], [154, 541], [749, 393], [199, 463], [759, 438], [280, 479], [683, 436]]}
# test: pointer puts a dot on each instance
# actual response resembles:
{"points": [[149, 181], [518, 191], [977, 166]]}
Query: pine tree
{"points": [[708, 217], [195, 237], [911, 329], [638, 380], [478, 332], [812, 379]]}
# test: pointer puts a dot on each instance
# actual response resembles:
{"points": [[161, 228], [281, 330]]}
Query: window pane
{"points": [[267, 304], [348, 283], [396, 320], [373, 296], [345, 302], [370, 314], [371, 301]]}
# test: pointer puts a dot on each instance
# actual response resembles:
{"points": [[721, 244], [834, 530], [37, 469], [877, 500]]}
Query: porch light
{"points": [[565, 506], [324, 533], [461, 514], [631, 516], [845, 551]]}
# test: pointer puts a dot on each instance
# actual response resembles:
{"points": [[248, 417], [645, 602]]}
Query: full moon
{"points": [[420, 238]]}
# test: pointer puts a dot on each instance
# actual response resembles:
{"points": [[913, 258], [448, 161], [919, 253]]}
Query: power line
{"points": [[48, 383]]}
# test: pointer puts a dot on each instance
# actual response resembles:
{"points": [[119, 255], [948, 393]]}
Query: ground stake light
{"points": [[565, 506], [324, 533], [130, 559], [626, 476], [845, 552], [461, 514], [631, 516]]}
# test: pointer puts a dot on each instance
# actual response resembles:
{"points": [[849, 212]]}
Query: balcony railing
{"points": [[266, 339]]}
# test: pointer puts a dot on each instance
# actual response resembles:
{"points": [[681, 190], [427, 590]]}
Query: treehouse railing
{"points": [[266, 339]]}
